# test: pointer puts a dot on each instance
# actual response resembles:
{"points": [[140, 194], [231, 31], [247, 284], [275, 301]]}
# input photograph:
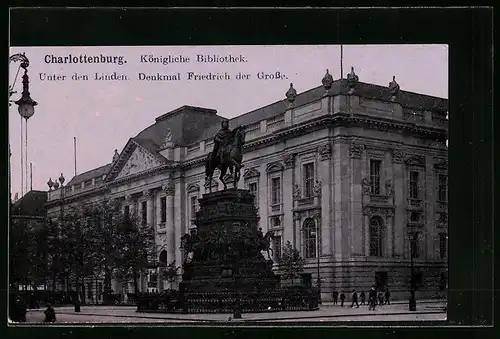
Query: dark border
{"points": [[467, 31]]}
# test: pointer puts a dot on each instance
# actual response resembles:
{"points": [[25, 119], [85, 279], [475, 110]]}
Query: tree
{"points": [[28, 252], [136, 248], [291, 262], [171, 273]]}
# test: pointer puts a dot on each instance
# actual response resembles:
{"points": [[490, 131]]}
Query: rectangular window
{"points": [[163, 209], [277, 247], [126, 212], [275, 191], [442, 245], [375, 176], [442, 188], [144, 212], [308, 180], [194, 201], [414, 185], [275, 222], [252, 187]]}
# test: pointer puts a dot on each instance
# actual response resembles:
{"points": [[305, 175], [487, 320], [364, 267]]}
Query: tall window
{"points": [[126, 212], [442, 245], [414, 245], [163, 209], [414, 185], [277, 247], [310, 238], [308, 180], [275, 191], [442, 188], [275, 222], [194, 201], [252, 187], [375, 176], [144, 212], [376, 237]]}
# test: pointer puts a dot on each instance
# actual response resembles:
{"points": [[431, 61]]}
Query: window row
{"points": [[414, 180], [377, 232]]}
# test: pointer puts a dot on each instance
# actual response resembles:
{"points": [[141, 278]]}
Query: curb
{"points": [[260, 320]]}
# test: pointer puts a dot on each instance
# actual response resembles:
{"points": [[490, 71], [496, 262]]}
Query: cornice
{"points": [[77, 196]]}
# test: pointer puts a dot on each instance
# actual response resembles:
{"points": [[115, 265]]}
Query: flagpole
{"points": [[74, 151], [341, 61]]}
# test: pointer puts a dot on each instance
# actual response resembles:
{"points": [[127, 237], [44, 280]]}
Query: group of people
{"points": [[18, 311], [374, 298]]}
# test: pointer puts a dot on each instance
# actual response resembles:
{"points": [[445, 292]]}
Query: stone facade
{"points": [[349, 178]]}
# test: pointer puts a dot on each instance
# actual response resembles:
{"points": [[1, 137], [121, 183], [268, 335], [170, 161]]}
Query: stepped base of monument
{"points": [[221, 276]]}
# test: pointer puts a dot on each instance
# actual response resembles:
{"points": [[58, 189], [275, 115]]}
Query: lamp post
{"points": [[26, 108], [318, 282], [412, 302]]}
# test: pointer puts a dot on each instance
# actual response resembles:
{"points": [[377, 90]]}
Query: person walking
{"points": [[354, 299], [342, 299], [380, 298], [362, 297], [387, 297], [372, 299], [335, 297], [50, 314]]}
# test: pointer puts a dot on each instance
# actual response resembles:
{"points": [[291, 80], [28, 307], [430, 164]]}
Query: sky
{"points": [[103, 115]]}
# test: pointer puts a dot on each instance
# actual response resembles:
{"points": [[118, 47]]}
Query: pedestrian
{"points": [[50, 314], [362, 297], [372, 299], [342, 299], [354, 299], [380, 298], [387, 297], [18, 310], [335, 297]]}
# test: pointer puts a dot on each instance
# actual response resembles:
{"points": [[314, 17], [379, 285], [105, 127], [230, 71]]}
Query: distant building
{"points": [[29, 212], [352, 173]]}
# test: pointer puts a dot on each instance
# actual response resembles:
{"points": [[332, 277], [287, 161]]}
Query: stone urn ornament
{"points": [[291, 94], [352, 80], [327, 81], [394, 88]]}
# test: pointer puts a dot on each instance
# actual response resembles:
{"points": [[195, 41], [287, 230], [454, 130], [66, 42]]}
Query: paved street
{"points": [[327, 312]]}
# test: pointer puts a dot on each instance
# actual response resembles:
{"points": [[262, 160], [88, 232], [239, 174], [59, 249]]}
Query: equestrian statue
{"points": [[226, 155]]}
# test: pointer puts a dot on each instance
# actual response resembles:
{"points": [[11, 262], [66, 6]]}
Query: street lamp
{"points": [[26, 108], [26, 104], [412, 302]]}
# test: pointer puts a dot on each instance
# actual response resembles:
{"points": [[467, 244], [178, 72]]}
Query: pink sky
{"points": [[103, 115]]}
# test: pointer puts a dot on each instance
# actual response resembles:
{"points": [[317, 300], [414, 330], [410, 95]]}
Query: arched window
{"points": [[376, 236], [310, 238], [163, 258]]}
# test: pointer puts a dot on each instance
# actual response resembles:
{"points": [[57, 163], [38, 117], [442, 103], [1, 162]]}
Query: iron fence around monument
{"points": [[173, 301]]}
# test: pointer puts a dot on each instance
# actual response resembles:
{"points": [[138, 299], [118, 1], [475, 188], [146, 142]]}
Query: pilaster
{"points": [[431, 238], [179, 220], [341, 200], [288, 184], [169, 189], [356, 152], [324, 170], [400, 203]]}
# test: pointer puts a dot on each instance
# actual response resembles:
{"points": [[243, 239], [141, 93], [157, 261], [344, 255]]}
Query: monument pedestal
{"points": [[227, 255]]}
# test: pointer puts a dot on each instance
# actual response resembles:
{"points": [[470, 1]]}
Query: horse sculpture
{"points": [[232, 156]]}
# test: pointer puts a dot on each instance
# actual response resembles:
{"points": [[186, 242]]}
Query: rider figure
{"points": [[221, 140]]}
